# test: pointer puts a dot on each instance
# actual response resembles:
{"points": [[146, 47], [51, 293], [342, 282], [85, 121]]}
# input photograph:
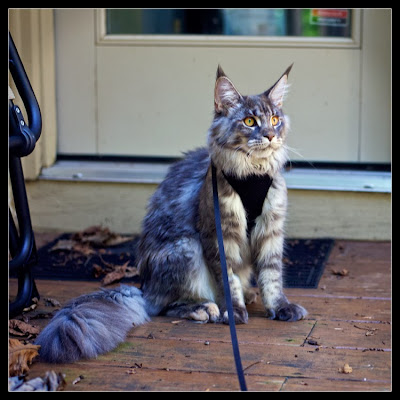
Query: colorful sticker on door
{"points": [[329, 17]]}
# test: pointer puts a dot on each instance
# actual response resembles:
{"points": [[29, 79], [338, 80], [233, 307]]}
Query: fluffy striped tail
{"points": [[92, 324]]}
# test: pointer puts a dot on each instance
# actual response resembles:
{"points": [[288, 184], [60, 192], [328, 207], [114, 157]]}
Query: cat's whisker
{"points": [[293, 150]]}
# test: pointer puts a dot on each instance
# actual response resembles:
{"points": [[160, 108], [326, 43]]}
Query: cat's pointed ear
{"points": [[278, 91], [220, 72], [225, 93]]}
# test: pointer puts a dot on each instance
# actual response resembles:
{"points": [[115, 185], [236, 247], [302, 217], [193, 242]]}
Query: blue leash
{"points": [[228, 299]]}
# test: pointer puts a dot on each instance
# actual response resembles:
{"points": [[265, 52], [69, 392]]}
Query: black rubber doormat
{"points": [[305, 261], [65, 258]]}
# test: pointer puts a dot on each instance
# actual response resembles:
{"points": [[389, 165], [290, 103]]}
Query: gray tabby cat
{"points": [[178, 257]]}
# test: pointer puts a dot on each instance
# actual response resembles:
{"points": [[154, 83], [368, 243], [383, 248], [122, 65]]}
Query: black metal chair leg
{"points": [[22, 141], [21, 244], [27, 291], [26, 285]]}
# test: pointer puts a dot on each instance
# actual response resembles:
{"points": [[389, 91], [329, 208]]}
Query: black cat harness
{"points": [[252, 191]]}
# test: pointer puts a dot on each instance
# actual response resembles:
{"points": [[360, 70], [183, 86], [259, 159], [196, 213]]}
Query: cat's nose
{"points": [[269, 135]]}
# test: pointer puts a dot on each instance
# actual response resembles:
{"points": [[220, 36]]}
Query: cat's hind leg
{"points": [[202, 312]]}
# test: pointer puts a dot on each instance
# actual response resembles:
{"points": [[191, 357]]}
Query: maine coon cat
{"points": [[178, 258]]}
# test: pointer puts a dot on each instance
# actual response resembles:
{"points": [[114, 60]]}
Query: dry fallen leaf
{"points": [[73, 246], [33, 306], [343, 272], [95, 235], [97, 270], [50, 302], [63, 244], [131, 371], [130, 272], [116, 275], [20, 355], [84, 249], [21, 328], [99, 236], [115, 240], [346, 369], [369, 331], [78, 379]]}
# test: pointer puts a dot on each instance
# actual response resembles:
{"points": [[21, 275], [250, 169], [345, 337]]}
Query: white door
{"points": [[140, 84]]}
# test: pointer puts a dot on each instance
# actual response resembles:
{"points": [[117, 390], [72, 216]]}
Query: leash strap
{"points": [[228, 299]]}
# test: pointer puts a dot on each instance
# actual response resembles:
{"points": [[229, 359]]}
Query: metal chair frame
{"points": [[22, 141]]}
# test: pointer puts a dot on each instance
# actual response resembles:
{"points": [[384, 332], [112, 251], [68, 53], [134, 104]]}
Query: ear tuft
{"points": [[279, 90], [225, 93], [220, 72]]}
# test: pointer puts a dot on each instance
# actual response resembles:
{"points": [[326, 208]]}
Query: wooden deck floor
{"points": [[349, 321]]}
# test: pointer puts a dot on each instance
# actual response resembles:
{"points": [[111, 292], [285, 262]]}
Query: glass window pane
{"points": [[240, 22]]}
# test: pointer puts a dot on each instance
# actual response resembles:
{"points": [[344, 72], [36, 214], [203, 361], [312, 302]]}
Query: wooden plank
{"points": [[114, 378], [206, 366], [368, 266], [351, 335], [318, 304], [361, 251], [371, 279], [331, 385], [322, 363], [260, 331], [325, 307], [216, 358]]}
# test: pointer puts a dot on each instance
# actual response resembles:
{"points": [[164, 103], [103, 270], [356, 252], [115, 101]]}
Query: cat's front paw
{"points": [[240, 314], [289, 312], [250, 296]]}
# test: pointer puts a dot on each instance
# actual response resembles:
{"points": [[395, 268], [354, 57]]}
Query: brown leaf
{"points": [[346, 369], [98, 270], [21, 328], [343, 272], [130, 272], [63, 244], [91, 230], [49, 302], [96, 240], [83, 248], [115, 240], [20, 356], [116, 275], [33, 306], [93, 236], [72, 245], [98, 236]]}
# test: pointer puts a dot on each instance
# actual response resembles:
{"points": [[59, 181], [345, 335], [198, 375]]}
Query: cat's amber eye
{"points": [[249, 121], [274, 120]]}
